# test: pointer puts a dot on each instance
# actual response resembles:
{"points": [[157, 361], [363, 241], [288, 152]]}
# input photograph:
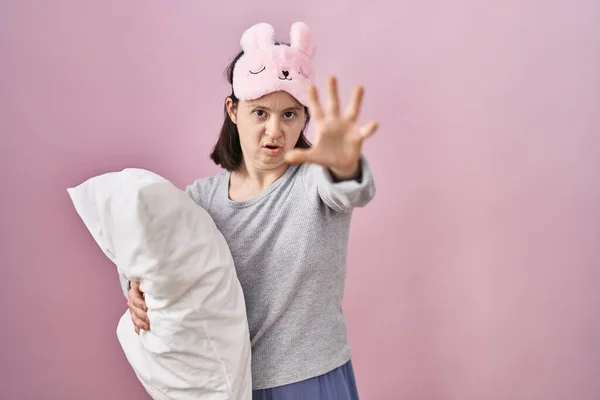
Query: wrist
{"points": [[347, 173]]}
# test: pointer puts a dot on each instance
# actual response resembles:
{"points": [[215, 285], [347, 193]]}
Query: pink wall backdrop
{"points": [[474, 275]]}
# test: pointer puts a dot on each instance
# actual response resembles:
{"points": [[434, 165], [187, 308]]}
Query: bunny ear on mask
{"points": [[266, 67], [259, 36], [302, 39]]}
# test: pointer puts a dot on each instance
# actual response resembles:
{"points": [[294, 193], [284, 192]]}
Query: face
{"points": [[268, 127]]}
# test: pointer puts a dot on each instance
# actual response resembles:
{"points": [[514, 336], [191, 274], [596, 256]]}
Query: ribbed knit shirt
{"points": [[289, 246]]}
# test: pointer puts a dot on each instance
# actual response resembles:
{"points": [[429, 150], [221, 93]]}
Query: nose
{"points": [[273, 128], [285, 73]]}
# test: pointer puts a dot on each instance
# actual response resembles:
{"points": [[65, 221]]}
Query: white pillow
{"points": [[198, 346]]}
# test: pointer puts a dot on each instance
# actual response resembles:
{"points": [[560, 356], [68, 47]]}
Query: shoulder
{"points": [[203, 189]]}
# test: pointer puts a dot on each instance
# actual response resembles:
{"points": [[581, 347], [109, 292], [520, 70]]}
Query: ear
{"points": [[302, 39], [259, 36], [231, 110]]}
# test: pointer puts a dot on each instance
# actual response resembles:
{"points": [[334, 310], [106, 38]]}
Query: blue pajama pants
{"points": [[338, 384]]}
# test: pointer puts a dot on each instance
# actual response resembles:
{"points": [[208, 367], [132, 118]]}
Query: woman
{"points": [[284, 208]]}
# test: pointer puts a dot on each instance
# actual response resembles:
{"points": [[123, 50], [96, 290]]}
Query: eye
{"points": [[289, 114], [260, 113], [258, 72]]}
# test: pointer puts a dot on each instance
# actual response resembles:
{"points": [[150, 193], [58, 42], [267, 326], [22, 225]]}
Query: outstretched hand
{"points": [[338, 138]]}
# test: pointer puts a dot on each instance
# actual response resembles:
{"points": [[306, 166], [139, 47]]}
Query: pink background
{"points": [[475, 273]]}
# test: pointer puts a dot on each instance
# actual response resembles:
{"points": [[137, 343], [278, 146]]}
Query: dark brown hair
{"points": [[227, 151]]}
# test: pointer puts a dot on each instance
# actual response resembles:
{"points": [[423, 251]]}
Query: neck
{"points": [[249, 180]]}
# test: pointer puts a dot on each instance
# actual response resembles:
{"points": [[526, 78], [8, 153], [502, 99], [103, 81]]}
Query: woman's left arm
{"points": [[342, 194], [341, 172]]}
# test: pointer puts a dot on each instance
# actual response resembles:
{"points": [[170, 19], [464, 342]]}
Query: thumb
{"points": [[368, 129], [300, 156]]}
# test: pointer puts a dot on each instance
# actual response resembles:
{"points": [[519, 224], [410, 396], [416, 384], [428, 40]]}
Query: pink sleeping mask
{"points": [[266, 68]]}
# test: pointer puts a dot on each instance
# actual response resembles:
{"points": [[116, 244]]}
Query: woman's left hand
{"points": [[338, 138]]}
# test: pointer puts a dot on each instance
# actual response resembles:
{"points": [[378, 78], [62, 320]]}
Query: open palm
{"points": [[338, 138]]}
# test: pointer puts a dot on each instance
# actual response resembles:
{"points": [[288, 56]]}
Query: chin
{"points": [[274, 162]]}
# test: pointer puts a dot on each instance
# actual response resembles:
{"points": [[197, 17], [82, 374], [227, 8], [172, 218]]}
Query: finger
{"points": [[368, 129], [140, 323], [135, 287], [314, 107], [137, 297], [138, 304], [333, 98], [138, 312], [136, 322], [353, 109]]}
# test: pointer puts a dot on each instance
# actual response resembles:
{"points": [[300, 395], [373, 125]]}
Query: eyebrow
{"points": [[294, 108]]}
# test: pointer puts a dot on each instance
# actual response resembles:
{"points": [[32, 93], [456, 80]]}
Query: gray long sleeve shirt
{"points": [[289, 247]]}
